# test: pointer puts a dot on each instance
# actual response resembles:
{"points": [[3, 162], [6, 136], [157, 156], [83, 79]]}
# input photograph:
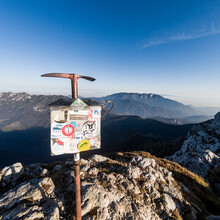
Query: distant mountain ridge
{"points": [[148, 105], [24, 122], [19, 111]]}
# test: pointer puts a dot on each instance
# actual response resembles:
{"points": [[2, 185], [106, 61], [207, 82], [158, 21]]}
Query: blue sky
{"points": [[163, 47]]}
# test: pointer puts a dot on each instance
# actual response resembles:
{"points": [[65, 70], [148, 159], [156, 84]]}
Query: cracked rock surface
{"points": [[200, 152], [132, 185]]}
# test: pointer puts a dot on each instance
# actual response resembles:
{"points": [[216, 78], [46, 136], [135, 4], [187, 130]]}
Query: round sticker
{"points": [[93, 141], [57, 149], [84, 145], [68, 130]]}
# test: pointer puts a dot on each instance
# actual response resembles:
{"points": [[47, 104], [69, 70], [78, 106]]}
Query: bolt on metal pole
{"points": [[74, 84]]}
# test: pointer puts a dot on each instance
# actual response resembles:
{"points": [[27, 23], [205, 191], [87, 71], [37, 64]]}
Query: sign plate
{"points": [[75, 129]]}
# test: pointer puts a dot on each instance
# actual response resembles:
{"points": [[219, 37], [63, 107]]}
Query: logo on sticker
{"points": [[93, 114], [58, 128], [79, 136], [56, 131], [68, 130], [78, 102], [96, 114], [90, 129], [84, 145]]}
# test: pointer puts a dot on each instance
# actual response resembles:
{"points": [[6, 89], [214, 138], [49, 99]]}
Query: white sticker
{"points": [[90, 129], [56, 130], [77, 157], [57, 149]]}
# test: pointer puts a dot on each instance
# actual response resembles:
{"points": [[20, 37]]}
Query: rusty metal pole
{"points": [[74, 84], [77, 157]]}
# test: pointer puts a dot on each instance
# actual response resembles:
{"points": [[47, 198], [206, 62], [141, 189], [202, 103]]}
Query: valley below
{"points": [[25, 132]]}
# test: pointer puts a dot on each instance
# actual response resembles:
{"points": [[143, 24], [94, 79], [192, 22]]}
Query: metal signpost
{"points": [[75, 128]]}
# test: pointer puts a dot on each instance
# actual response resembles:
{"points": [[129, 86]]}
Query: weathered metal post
{"points": [[74, 82]]}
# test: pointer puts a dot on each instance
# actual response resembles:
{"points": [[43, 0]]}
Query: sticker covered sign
{"points": [[75, 128]]}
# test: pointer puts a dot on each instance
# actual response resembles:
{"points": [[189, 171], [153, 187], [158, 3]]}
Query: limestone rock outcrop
{"points": [[116, 186], [201, 150]]}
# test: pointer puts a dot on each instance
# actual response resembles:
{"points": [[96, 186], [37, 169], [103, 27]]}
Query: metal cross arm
{"points": [[74, 80]]}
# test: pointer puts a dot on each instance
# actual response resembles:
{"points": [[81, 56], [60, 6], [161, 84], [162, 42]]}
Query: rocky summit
{"points": [[133, 185], [200, 152]]}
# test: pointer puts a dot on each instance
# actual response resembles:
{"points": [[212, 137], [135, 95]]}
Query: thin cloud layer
{"points": [[182, 36]]}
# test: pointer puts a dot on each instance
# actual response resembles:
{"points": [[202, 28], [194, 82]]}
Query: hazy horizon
{"points": [[172, 97]]}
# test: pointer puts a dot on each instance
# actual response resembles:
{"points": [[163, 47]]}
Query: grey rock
{"points": [[139, 189], [32, 191], [198, 152], [150, 177], [51, 210], [57, 168], [136, 190], [99, 158], [133, 172], [11, 173], [22, 211], [93, 171], [169, 204], [143, 162], [35, 170], [120, 196]]}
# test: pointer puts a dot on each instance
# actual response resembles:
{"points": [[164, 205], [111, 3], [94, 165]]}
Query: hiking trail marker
{"points": [[75, 127]]}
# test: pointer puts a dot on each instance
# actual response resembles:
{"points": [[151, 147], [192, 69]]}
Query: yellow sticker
{"points": [[84, 145]]}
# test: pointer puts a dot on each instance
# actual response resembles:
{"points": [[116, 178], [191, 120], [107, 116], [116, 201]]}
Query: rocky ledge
{"points": [[200, 152], [133, 185]]}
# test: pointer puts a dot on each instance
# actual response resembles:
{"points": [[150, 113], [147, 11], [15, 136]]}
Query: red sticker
{"points": [[90, 113], [59, 141], [68, 130]]}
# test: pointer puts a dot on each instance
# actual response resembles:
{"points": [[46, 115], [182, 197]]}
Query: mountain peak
{"points": [[147, 105], [135, 94]]}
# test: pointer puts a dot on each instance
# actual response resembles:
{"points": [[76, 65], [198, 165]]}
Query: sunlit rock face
{"points": [[200, 151], [117, 186]]}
